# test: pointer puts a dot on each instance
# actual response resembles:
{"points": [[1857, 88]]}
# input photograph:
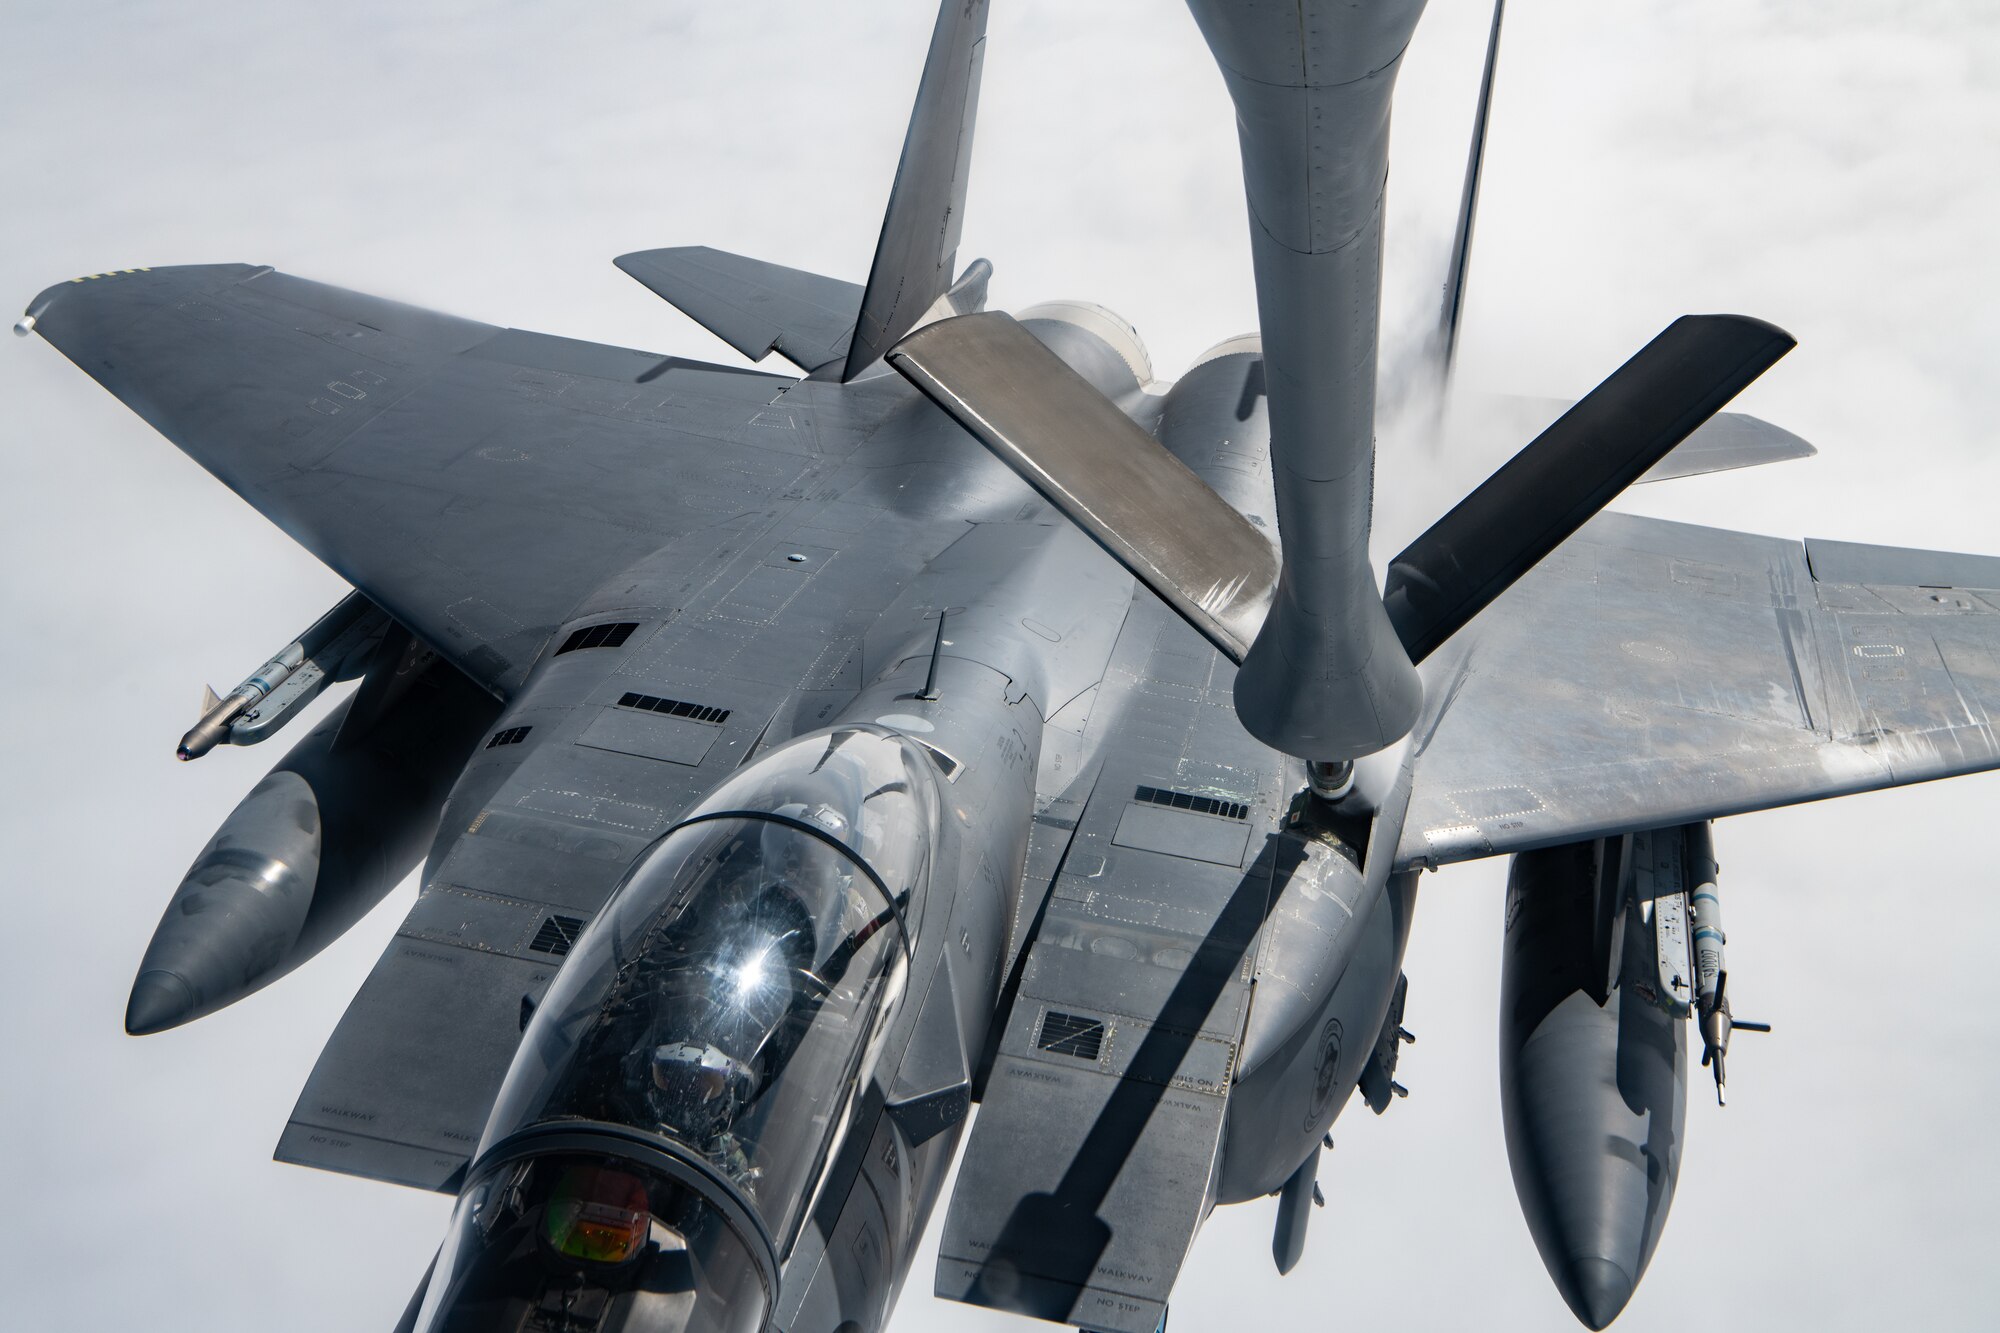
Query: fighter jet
{"points": [[795, 760]]}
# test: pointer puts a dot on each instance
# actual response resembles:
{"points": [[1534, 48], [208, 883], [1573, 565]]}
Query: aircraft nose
{"points": [[1596, 1290], [160, 1000]]}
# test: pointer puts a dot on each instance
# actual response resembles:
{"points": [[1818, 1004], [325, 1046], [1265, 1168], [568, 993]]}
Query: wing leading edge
{"points": [[475, 482], [1652, 673]]}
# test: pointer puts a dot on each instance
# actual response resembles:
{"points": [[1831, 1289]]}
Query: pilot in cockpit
{"points": [[736, 997]]}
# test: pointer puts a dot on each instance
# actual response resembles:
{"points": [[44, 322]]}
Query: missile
{"points": [[334, 648], [1717, 1023], [1710, 976], [217, 714], [317, 843], [1710, 966]]}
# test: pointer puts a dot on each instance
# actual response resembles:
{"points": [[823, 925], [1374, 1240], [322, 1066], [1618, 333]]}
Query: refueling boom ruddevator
{"points": [[795, 760]]}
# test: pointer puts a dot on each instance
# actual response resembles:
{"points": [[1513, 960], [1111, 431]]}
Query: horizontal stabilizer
{"points": [[755, 307], [1623, 427], [1088, 459]]}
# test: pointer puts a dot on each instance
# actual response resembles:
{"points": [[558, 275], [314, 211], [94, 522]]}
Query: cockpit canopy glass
{"points": [[729, 1000], [869, 789], [573, 1241]]}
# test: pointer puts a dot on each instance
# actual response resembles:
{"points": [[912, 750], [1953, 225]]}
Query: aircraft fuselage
{"points": [[1018, 700]]}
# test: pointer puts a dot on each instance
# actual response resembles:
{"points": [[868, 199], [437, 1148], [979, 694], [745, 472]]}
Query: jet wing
{"points": [[1652, 673], [475, 482]]}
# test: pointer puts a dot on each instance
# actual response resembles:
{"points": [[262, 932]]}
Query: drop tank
{"points": [[1593, 1069], [315, 845], [693, 1069]]}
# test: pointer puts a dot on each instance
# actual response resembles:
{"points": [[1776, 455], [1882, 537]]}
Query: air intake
{"points": [[1187, 800], [556, 935], [675, 708], [1071, 1034], [598, 636]]}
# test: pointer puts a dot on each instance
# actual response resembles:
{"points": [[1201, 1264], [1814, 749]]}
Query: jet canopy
{"points": [[575, 1238], [684, 1083]]}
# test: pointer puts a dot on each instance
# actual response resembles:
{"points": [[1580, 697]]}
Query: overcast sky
{"points": [[1831, 168]]}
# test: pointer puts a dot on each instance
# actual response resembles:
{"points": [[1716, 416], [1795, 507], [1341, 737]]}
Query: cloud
{"points": [[1830, 169]]}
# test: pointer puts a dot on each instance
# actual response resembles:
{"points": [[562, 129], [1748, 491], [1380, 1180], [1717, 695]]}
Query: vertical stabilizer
{"points": [[915, 258], [1453, 312]]}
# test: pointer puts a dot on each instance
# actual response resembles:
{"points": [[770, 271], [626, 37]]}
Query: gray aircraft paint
{"points": [[1326, 678], [866, 491]]}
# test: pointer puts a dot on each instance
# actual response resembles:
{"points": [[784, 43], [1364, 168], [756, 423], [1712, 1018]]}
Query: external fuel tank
{"points": [[317, 843], [1593, 1073]]}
